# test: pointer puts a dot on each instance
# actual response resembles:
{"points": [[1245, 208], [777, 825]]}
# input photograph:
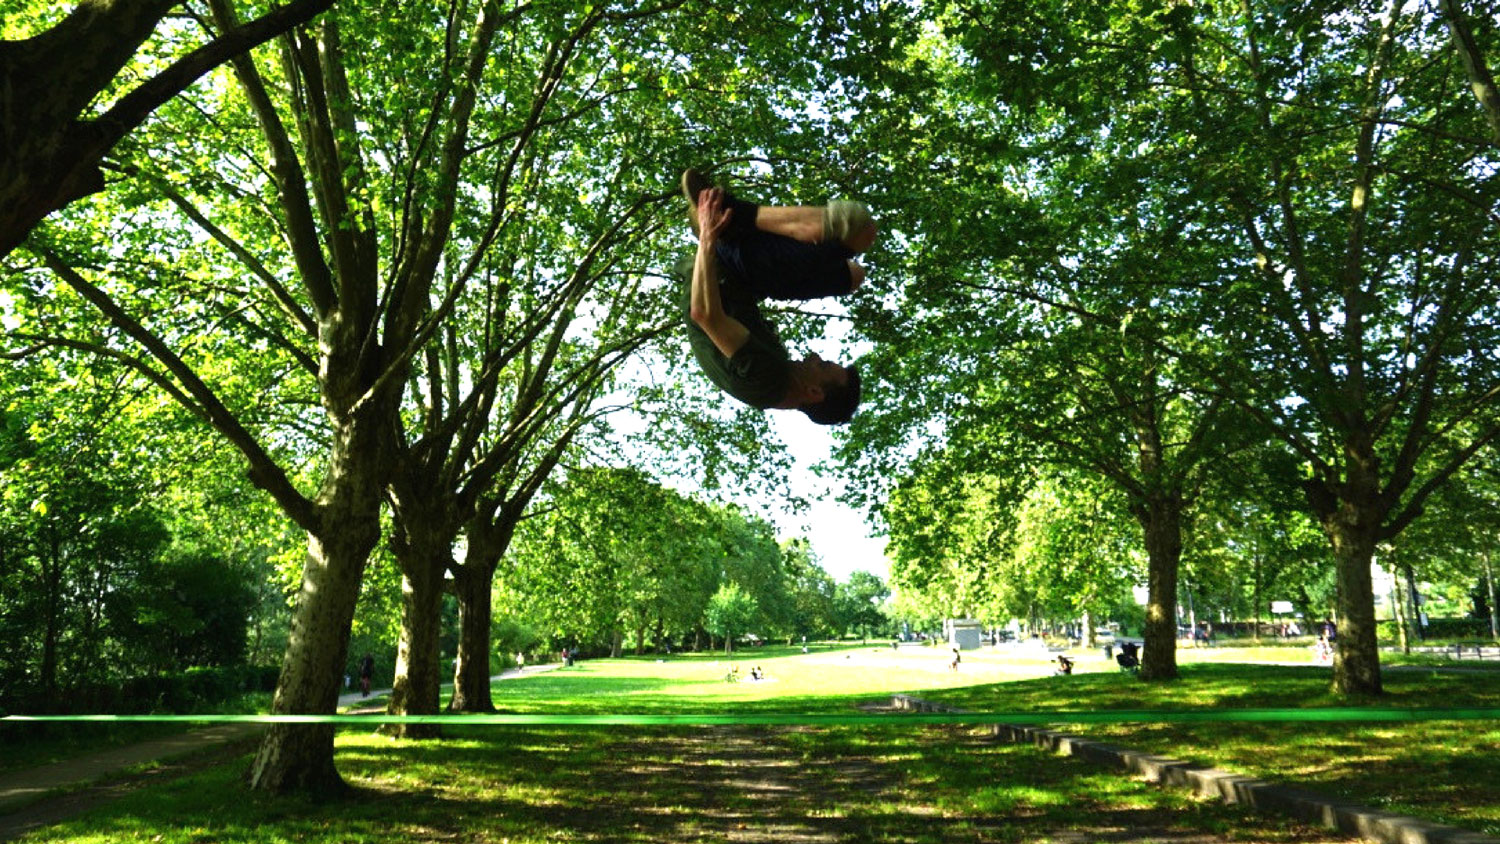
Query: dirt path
{"points": [[203, 749], [18, 788]]}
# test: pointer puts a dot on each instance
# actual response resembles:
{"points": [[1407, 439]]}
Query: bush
{"points": [[177, 692], [510, 635], [1445, 628]]}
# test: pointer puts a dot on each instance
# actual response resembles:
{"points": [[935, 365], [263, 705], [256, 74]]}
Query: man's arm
{"points": [[707, 308]]}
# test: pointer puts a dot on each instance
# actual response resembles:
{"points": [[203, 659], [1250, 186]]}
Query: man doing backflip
{"points": [[747, 253]]}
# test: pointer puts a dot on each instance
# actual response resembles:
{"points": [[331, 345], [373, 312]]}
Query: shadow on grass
{"points": [[713, 784]]}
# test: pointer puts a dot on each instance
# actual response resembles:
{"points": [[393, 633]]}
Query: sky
{"points": [[842, 541]]}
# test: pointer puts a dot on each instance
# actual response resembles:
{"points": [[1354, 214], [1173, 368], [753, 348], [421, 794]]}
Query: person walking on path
{"points": [[366, 671], [748, 253]]}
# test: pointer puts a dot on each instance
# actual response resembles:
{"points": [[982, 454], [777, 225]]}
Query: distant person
{"points": [[1130, 656], [366, 671], [953, 666], [520, 661], [1064, 665]]}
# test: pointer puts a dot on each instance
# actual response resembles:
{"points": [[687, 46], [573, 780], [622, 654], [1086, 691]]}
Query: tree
{"points": [[1048, 340], [949, 530], [608, 552], [1072, 544], [729, 613], [51, 148], [1363, 225], [857, 603], [344, 326], [812, 592], [1321, 169], [101, 580]]}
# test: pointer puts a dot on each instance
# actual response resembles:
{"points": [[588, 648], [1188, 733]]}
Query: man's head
{"points": [[830, 392]]}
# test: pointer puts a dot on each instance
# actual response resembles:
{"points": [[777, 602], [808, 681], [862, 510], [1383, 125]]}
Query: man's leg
{"points": [[798, 222], [840, 220]]}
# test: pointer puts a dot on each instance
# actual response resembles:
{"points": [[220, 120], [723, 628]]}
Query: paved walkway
{"points": [[21, 788]]}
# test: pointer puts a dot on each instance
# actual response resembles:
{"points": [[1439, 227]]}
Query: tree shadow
{"points": [[788, 784]]}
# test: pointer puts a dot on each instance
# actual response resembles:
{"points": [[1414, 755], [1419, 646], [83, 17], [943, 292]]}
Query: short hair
{"points": [[839, 401]]}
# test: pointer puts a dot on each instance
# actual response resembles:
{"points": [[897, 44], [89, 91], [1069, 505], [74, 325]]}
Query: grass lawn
{"points": [[889, 783], [1439, 770]]}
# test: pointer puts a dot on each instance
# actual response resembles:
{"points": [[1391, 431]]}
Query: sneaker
{"points": [[843, 217], [694, 183]]}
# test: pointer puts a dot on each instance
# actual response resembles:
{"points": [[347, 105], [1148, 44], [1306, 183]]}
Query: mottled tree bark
{"points": [[424, 559], [1351, 515], [471, 676], [1161, 521], [298, 757]]}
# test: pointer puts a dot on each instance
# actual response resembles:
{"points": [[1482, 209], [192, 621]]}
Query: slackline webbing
{"points": [[1119, 716]]}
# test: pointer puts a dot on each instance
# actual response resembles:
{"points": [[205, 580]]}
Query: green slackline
{"points": [[1121, 716]]}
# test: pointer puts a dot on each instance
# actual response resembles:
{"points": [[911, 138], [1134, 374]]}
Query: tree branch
{"points": [[130, 110], [263, 469]]}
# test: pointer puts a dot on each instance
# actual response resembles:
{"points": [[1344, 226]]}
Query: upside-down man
{"points": [[747, 253]]}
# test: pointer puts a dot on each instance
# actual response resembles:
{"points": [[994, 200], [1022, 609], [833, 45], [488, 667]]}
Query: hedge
{"points": [[175, 692]]}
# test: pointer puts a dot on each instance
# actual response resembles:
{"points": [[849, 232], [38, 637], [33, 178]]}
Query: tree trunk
{"points": [[52, 618], [1356, 660], [1162, 522], [1489, 577], [299, 757], [1414, 602], [1398, 610], [471, 677], [1255, 597], [424, 562], [1480, 80]]}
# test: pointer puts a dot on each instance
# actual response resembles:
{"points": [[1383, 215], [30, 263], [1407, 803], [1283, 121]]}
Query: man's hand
{"points": [[713, 216]]}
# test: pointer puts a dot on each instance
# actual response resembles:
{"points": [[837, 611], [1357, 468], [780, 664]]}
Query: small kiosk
{"points": [[963, 633]]}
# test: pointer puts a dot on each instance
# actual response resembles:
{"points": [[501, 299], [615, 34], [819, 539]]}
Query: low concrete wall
{"points": [[1230, 787]]}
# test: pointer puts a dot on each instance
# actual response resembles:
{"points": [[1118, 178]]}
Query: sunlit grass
{"points": [[823, 680]]}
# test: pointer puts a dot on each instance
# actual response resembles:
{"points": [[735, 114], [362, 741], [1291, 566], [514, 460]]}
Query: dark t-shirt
{"points": [[759, 373]]}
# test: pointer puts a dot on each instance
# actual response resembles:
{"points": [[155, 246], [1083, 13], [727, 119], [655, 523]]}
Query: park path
{"points": [[23, 801]]}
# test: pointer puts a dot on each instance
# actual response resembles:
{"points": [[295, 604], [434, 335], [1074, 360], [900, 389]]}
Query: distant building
{"points": [[963, 633]]}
